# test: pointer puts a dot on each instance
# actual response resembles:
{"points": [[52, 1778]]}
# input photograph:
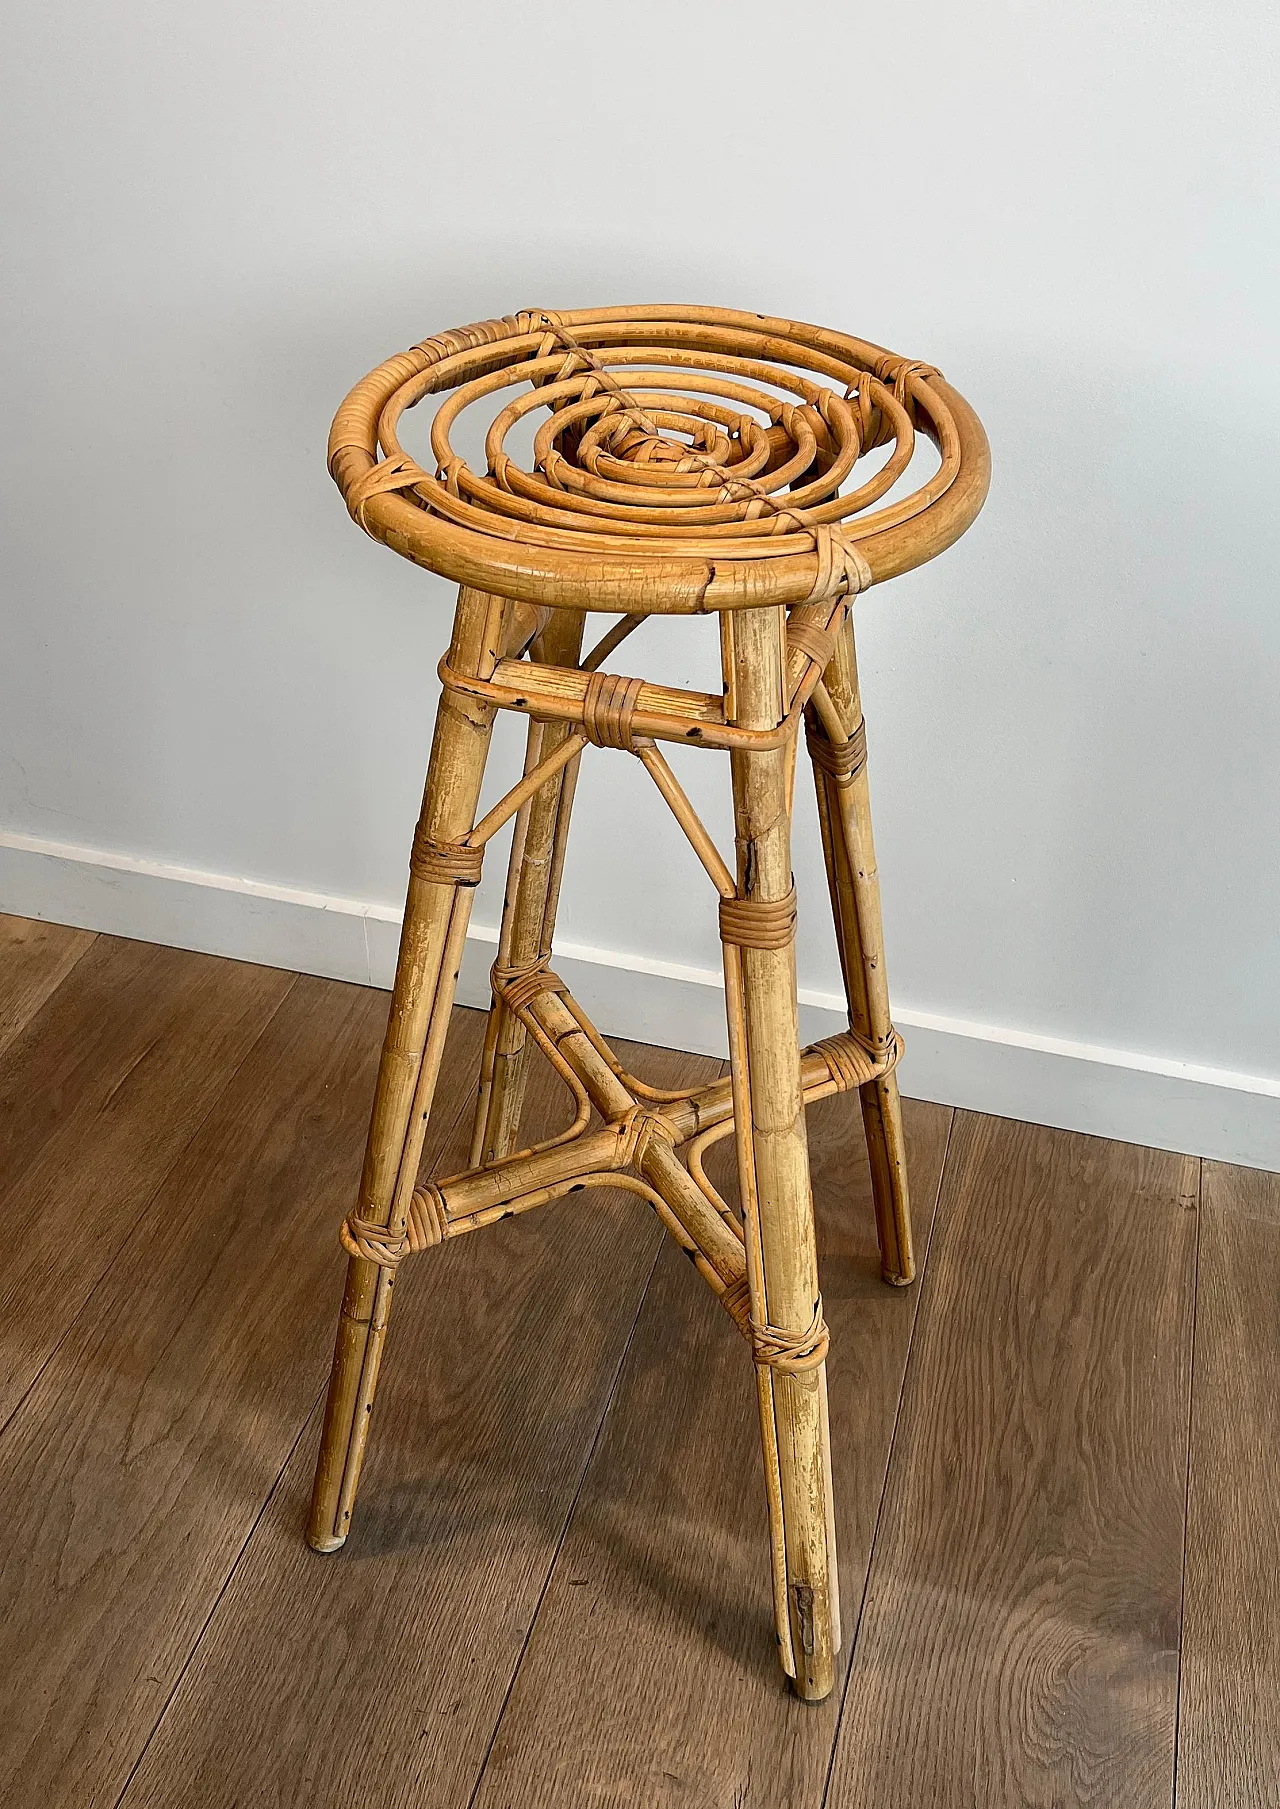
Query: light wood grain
{"points": [[35, 958], [377, 1674], [659, 1607], [1229, 1727], [135, 1469], [132, 1051], [1019, 1642]]}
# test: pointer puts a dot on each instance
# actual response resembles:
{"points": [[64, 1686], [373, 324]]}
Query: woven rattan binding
{"points": [[844, 760], [425, 1227], [445, 863], [755, 923]]}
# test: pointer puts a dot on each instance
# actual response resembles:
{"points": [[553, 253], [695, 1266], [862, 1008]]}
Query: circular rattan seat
{"points": [[642, 461], [686, 459]]}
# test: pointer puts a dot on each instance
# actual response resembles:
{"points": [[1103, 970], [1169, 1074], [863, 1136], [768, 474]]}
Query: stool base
{"points": [[758, 1258]]}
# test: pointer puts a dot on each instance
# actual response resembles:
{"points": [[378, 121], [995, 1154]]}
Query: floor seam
{"points": [[568, 1521], [888, 1468], [1186, 1504], [316, 1401], [143, 1210], [227, 1581]]}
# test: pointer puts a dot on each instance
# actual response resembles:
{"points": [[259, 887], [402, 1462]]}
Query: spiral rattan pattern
{"points": [[682, 458]]}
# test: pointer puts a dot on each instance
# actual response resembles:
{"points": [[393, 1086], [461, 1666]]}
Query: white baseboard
{"points": [[1014, 1074]]}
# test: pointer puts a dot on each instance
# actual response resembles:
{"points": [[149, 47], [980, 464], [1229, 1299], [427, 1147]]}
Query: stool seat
{"points": [[669, 428], [680, 461]]}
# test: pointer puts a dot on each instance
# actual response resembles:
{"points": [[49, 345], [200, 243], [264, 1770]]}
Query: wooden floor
{"points": [[1057, 1457]]}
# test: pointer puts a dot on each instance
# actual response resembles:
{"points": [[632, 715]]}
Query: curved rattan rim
{"points": [[509, 557]]}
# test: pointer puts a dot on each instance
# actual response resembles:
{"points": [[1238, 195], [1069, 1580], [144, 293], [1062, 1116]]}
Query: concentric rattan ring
{"points": [[685, 459]]}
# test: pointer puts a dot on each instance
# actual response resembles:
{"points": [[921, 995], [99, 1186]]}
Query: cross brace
{"points": [[633, 1146]]}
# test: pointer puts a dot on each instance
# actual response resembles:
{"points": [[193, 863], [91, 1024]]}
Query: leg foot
{"points": [[886, 1148]]}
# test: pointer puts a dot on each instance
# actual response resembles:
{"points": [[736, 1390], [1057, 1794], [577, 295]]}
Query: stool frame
{"points": [[786, 660]]}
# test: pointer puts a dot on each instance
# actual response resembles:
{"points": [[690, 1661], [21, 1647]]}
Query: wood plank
{"points": [[651, 1676], [135, 1469], [377, 1674], [1229, 1725], [97, 1100], [1020, 1639], [35, 958]]}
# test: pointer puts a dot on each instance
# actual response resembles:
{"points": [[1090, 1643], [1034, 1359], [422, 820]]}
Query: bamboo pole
{"points": [[760, 986], [830, 1066], [435, 922], [844, 814], [529, 908], [494, 1024]]}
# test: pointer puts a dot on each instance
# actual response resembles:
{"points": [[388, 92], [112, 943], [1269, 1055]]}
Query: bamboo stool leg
{"points": [[529, 908], [844, 811], [758, 931], [437, 910]]}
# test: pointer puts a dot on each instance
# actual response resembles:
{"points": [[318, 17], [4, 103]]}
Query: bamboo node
{"points": [[773, 1347], [426, 1225], [445, 863], [758, 923]]}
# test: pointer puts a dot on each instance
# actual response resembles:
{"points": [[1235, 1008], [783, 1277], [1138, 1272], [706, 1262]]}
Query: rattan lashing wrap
{"points": [[758, 923], [772, 1346], [445, 863], [518, 987], [844, 760], [776, 1348], [424, 1227], [608, 706]]}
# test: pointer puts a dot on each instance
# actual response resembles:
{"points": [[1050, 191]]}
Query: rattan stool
{"points": [[685, 461]]}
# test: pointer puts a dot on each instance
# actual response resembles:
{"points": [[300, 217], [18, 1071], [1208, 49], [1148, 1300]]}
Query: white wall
{"points": [[219, 216]]}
